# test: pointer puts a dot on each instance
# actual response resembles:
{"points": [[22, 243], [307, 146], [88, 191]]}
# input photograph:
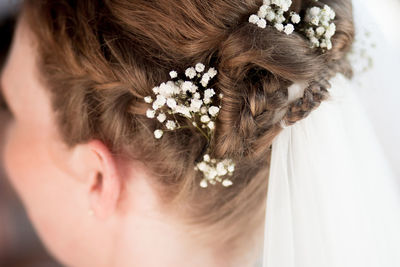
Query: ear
{"points": [[99, 169]]}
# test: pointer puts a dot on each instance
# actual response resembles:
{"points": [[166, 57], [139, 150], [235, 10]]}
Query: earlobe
{"points": [[105, 181]]}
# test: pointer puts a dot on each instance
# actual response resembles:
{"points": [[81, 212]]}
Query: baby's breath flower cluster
{"points": [[273, 12], [214, 170], [317, 26], [191, 98], [320, 27]]}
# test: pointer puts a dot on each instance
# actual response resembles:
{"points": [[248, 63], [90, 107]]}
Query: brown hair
{"points": [[100, 58]]}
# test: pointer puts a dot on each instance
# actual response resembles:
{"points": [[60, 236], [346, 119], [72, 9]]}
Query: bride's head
{"points": [[80, 150]]}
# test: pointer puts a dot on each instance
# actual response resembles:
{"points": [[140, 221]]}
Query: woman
{"points": [[101, 182]]}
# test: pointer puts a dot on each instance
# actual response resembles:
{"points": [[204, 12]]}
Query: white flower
{"points": [[314, 41], [320, 30], [196, 95], [150, 113], [204, 119], [279, 26], [262, 23], [161, 117], [227, 183], [186, 86], [159, 102], [205, 79], [190, 72], [212, 173], [156, 90], [314, 11], [296, 18], [148, 99], [328, 44], [183, 110], [277, 2], [330, 31], [310, 32], [193, 88], [286, 5], [254, 19], [195, 105], [262, 12], [171, 103], [231, 167], [158, 133], [209, 93], [289, 28], [267, 2], [221, 169], [315, 21], [213, 110], [212, 72], [203, 110], [211, 125], [173, 74], [204, 183], [270, 16], [166, 89], [171, 125], [200, 67], [280, 19], [202, 166]]}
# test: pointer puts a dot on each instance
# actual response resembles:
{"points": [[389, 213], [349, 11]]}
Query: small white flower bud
{"points": [[150, 113], [204, 119], [296, 18], [204, 183], [205, 79], [148, 99], [161, 117], [213, 110], [190, 72], [227, 183], [270, 16], [262, 13], [158, 133], [171, 125], [200, 67], [211, 125], [314, 11], [254, 19], [212, 72], [279, 26], [171, 103], [262, 23], [173, 74], [289, 29], [320, 30]]}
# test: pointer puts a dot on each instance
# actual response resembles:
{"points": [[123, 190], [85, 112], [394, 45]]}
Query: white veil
{"points": [[334, 194]]}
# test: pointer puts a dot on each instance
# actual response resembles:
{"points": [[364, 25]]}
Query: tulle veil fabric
{"points": [[334, 197]]}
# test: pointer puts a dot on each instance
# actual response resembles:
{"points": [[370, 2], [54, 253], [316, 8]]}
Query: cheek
{"points": [[47, 194], [22, 156]]}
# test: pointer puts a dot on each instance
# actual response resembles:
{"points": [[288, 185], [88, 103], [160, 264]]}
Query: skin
{"points": [[60, 186]]}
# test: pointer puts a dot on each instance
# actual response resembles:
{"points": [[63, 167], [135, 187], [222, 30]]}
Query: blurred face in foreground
{"points": [[90, 207]]}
